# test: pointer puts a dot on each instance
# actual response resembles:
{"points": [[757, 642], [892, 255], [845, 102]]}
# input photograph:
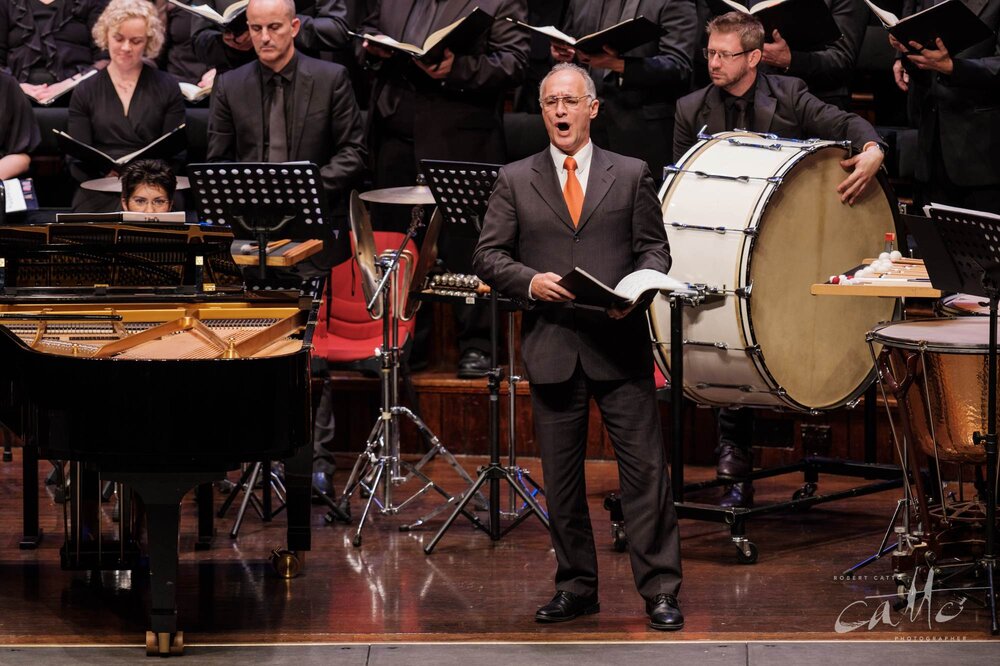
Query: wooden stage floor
{"points": [[471, 589]]}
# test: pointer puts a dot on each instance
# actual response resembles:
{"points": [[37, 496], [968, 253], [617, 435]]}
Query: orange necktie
{"points": [[572, 191]]}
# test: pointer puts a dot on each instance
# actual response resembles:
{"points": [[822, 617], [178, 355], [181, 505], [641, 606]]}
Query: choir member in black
{"points": [[637, 89], [313, 101], [322, 27], [148, 186], [448, 110], [540, 13], [178, 57], [46, 41], [18, 129], [129, 104], [828, 71], [955, 100]]}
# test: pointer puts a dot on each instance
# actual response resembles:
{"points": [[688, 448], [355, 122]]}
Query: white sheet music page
{"points": [[634, 285], [15, 202]]}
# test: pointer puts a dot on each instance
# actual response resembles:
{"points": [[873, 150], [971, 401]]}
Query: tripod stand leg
{"points": [[379, 471], [247, 494], [991, 595], [529, 499], [884, 548], [362, 468], [459, 508], [232, 493], [437, 448]]}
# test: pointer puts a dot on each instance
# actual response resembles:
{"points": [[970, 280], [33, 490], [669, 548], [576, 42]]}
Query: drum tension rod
{"points": [[673, 168], [747, 231]]}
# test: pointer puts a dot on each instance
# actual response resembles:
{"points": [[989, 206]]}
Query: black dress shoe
{"points": [[734, 463], [738, 495], [664, 613], [473, 364], [567, 606]]}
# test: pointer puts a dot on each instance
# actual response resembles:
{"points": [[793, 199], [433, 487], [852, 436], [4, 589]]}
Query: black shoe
{"points": [[664, 613], [323, 483], [473, 364], [738, 495], [567, 606], [734, 463]]}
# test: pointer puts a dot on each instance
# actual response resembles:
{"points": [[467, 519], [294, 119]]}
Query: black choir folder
{"points": [[166, 146], [460, 36], [621, 37], [632, 288], [807, 25], [951, 20], [232, 19]]}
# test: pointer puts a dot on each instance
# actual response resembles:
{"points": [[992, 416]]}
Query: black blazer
{"points": [[462, 117], [528, 230], [782, 106], [325, 127], [962, 109]]}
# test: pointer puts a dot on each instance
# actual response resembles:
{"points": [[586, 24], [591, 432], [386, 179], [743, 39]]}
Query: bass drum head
{"points": [[815, 347]]}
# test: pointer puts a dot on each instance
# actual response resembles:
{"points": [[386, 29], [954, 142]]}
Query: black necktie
{"points": [[277, 139], [740, 114]]}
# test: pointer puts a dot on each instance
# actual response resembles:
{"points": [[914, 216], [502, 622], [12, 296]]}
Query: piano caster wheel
{"points": [[162, 644], [286, 563]]}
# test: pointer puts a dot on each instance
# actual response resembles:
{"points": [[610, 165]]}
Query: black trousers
{"points": [[630, 415]]}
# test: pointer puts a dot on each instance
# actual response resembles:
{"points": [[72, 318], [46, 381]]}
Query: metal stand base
{"points": [[261, 505]]}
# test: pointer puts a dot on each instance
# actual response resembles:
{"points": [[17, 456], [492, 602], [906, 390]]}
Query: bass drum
{"points": [[759, 219]]}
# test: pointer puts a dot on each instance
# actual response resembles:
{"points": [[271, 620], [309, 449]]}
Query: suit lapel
{"points": [[630, 10], [599, 182], [976, 6], [714, 116], [547, 186], [764, 105], [251, 95], [454, 10], [300, 106]]}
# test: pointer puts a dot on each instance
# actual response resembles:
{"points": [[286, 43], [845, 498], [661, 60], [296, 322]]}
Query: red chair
{"points": [[346, 336]]}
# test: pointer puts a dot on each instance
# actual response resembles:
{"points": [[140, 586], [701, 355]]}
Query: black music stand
{"points": [[262, 201], [462, 191], [961, 251]]}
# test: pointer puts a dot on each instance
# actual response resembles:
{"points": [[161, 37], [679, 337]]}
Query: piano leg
{"points": [[161, 494], [298, 498], [206, 517], [29, 498]]}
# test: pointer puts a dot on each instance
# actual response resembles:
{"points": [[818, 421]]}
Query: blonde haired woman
{"points": [[130, 103]]}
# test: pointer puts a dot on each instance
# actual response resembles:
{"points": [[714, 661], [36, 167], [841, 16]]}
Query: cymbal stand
{"points": [[380, 465], [247, 484]]}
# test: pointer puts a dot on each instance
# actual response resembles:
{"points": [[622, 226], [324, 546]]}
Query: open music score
{"points": [[906, 279], [157, 331]]}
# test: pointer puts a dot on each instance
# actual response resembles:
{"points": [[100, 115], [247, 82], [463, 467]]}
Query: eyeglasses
{"points": [[570, 102], [724, 56], [141, 202]]}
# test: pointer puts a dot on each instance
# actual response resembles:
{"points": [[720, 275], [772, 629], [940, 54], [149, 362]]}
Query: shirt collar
{"points": [[582, 157], [286, 72]]}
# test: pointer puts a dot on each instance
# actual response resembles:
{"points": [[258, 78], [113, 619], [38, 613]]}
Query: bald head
{"points": [[287, 7]]}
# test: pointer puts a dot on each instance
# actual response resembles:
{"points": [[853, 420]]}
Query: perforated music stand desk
{"points": [[262, 201], [462, 192]]}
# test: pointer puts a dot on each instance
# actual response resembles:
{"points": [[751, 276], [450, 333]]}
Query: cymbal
{"points": [[113, 184], [415, 195]]}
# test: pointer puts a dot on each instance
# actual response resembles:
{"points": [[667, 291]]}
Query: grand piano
{"points": [[134, 352]]}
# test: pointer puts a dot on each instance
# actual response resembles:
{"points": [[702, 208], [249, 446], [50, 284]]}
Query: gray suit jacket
{"points": [[782, 106], [528, 230]]}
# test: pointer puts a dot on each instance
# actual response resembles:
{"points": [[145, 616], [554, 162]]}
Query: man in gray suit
{"points": [[741, 97], [576, 205]]}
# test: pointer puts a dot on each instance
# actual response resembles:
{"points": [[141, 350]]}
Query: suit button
{"points": [[576, 239]]}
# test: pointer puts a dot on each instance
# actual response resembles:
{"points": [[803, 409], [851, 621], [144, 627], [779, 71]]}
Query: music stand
{"points": [[961, 251], [462, 191], [262, 201]]}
